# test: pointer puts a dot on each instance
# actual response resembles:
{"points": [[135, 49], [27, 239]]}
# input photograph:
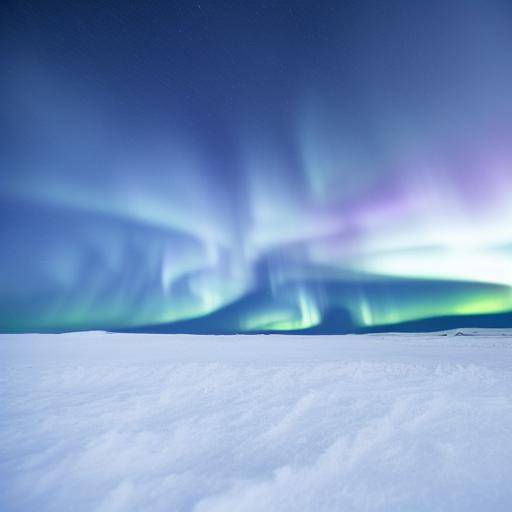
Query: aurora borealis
{"points": [[255, 166]]}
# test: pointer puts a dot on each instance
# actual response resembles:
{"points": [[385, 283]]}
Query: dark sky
{"points": [[164, 161]]}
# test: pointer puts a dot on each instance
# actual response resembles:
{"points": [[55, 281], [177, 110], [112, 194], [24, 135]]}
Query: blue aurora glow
{"points": [[222, 167]]}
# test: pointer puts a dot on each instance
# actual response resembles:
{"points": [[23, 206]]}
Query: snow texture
{"points": [[121, 422]]}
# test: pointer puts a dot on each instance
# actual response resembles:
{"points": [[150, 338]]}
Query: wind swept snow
{"points": [[122, 422]]}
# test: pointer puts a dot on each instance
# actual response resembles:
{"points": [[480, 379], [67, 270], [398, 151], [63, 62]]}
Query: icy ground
{"points": [[120, 422]]}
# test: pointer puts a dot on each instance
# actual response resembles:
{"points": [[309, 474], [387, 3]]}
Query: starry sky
{"points": [[247, 166]]}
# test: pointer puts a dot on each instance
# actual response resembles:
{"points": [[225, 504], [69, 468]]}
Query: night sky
{"points": [[246, 166]]}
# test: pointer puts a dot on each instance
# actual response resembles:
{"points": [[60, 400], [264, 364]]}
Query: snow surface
{"points": [[122, 422]]}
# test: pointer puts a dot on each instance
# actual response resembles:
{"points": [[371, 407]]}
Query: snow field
{"points": [[103, 422]]}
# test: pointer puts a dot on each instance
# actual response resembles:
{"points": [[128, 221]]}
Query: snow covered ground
{"points": [[122, 422]]}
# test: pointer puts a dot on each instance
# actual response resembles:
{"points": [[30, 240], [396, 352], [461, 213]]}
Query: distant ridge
{"points": [[339, 322]]}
